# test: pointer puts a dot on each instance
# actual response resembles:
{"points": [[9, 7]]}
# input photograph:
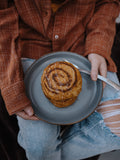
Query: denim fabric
{"points": [[43, 141], [39, 139], [110, 93], [88, 138]]}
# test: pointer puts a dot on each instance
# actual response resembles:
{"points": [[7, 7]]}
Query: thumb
{"points": [[29, 111]]}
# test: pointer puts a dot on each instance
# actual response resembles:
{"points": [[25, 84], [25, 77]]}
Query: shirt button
{"points": [[56, 36], [45, 13]]}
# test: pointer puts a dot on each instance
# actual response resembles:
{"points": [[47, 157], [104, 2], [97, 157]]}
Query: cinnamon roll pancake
{"points": [[61, 83]]}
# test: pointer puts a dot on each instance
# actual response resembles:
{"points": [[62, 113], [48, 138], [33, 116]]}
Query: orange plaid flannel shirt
{"points": [[31, 29]]}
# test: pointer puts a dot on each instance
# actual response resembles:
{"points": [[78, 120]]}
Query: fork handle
{"points": [[108, 81]]}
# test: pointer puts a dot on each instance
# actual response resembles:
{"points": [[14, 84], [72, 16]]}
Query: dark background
{"points": [[9, 148]]}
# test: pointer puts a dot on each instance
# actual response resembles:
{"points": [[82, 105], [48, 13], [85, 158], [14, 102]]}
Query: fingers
{"points": [[23, 115], [98, 64], [29, 110], [27, 114]]}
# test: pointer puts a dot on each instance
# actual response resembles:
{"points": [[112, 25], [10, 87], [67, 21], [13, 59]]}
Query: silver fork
{"points": [[106, 80]]}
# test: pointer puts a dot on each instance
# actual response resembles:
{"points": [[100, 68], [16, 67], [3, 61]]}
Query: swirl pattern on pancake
{"points": [[61, 83]]}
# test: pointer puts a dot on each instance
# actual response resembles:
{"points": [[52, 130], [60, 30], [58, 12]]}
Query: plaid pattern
{"points": [[28, 29]]}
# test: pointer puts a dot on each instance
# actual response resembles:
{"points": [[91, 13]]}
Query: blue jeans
{"points": [[44, 141]]}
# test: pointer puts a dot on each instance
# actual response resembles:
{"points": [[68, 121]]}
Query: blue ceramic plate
{"points": [[86, 102]]}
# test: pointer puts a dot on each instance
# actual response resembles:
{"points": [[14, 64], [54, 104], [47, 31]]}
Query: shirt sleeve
{"points": [[101, 30], [11, 74]]}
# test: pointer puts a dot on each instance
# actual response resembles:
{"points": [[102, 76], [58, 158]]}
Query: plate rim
{"points": [[47, 56]]}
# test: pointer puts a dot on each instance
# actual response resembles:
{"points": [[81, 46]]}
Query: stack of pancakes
{"points": [[61, 83]]}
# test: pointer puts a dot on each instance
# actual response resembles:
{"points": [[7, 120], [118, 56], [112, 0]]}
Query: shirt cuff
{"points": [[15, 97]]}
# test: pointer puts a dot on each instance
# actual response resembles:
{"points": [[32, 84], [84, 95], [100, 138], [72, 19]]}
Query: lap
{"points": [[88, 138], [39, 139], [91, 134], [36, 131]]}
